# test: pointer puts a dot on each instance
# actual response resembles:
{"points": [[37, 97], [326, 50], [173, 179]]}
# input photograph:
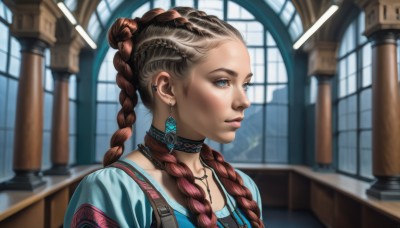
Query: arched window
{"points": [[264, 135], [354, 102], [10, 59]]}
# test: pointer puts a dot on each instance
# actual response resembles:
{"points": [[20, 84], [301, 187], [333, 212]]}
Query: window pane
{"points": [[11, 103], [212, 7], [139, 12], [49, 80], [72, 149], [252, 31], [103, 11], [48, 110], [143, 122], [72, 117], [3, 37], [94, 27], [2, 12], [347, 152], [114, 4], [257, 64], [276, 5], [287, 13], [189, 3], [9, 148], [46, 163], [362, 39], [255, 94], [270, 39], [277, 94], [162, 4], [72, 87], [296, 28], [313, 90], [366, 154], [247, 145], [3, 99], [71, 4], [107, 92], [3, 160], [277, 117], [3, 61], [237, 12], [351, 64], [352, 84]]}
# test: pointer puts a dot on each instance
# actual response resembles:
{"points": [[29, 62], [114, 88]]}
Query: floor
{"points": [[283, 218]]}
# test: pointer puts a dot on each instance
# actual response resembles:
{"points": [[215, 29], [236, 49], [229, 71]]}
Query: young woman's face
{"points": [[215, 98]]}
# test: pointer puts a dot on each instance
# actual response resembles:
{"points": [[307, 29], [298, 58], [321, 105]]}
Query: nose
{"points": [[241, 101]]}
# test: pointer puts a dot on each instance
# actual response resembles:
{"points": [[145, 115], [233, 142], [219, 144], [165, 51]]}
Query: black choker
{"points": [[181, 144]]}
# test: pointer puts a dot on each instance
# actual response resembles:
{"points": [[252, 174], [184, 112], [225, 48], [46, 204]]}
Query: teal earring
{"points": [[170, 131]]}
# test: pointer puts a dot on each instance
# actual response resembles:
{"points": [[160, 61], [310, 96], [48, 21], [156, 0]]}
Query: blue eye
{"points": [[222, 83], [246, 86]]}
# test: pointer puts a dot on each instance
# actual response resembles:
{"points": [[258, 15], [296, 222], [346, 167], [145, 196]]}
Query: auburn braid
{"points": [[233, 183], [195, 196], [119, 37]]}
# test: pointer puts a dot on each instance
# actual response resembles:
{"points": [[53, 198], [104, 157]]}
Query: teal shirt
{"points": [[112, 195]]}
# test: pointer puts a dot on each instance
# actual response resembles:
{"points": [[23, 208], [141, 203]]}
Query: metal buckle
{"points": [[164, 211]]}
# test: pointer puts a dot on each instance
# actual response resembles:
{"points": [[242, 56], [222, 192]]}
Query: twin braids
{"points": [[171, 41]]}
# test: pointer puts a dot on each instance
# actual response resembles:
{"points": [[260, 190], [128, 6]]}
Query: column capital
{"points": [[322, 58], [34, 19], [65, 52], [380, 15], [65, 56]]}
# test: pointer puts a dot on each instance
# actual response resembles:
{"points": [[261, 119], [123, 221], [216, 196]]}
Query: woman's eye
{"points": [[222, 83], [246, 86]]}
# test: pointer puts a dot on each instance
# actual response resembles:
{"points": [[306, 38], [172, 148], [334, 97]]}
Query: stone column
{"points": [[34, 27], [382, 26], [322, 65]]}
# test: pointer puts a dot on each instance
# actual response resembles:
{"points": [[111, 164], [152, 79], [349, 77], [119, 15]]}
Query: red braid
{"points": [[195, 197], [119, 36], [233, 183]]}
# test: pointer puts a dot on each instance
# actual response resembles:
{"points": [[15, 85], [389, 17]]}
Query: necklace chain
{"points": [[146, 152]]}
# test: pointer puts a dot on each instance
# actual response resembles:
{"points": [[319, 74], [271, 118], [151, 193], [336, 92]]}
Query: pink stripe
{"points": [[89, 215]]}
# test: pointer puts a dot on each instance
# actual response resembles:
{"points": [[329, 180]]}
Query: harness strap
{"points": [[163, 213]]}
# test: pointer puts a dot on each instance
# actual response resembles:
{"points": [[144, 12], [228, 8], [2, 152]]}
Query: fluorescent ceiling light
{"points": [[74, 22], [315, 26], [67, 13], [85, 36]]}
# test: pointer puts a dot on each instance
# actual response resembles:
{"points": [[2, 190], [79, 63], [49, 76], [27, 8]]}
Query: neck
{"points": [[187, 151]]}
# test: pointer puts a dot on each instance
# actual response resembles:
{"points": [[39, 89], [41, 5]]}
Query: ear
{"points": [[163, 87]]}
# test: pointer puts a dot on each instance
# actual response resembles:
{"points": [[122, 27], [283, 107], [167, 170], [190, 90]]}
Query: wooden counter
{"points": [[43, 207], [337, 200]]}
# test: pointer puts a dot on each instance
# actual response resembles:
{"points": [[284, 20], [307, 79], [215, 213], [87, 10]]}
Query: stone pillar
{"points": [[382, 26], [64, 62], [34, 27], [322, 65]]}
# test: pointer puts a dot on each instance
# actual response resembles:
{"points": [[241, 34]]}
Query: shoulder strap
{"points": [[162, 211]]}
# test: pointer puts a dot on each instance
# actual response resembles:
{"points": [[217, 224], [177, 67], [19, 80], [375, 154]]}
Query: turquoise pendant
{"points": [[170, 133]]}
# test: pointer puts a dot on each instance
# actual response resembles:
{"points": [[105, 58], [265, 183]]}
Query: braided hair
{"points": [[171, 41]]}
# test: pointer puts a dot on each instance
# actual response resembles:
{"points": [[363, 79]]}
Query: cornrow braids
{"points": [[233, 184]]}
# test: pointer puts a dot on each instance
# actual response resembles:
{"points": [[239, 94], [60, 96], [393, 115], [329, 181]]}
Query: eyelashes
{"points": [[223, 83]]}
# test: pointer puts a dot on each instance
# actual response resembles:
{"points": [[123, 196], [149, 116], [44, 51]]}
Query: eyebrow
{"points": [[230, 72]]}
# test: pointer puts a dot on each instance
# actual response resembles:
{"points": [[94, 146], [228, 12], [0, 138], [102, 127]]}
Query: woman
{"points": [[192, 71]]}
